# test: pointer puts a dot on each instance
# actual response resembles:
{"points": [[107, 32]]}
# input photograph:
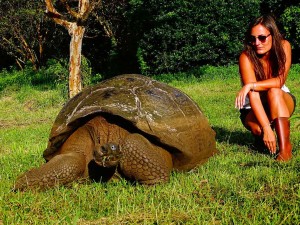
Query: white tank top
{"points": [[247, 101]]}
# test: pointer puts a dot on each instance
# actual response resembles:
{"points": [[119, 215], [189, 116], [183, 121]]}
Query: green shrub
{"points": [[88, 78], [54, 73], [291, 23], [183, 34], [13, 79]]}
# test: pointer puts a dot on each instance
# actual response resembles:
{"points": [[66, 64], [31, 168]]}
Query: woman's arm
{"points": [[276, 82], [248, 78]]}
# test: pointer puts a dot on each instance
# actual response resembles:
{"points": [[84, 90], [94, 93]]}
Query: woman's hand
{"points": [[241, 96], [269, 139]]}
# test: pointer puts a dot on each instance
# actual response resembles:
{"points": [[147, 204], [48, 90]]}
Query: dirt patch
{"points": [[5, 124]]}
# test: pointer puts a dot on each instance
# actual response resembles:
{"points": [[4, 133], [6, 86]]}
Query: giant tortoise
{"points": [[130, 124]]}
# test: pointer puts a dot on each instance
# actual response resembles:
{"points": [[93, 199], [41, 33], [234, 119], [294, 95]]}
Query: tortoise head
{"points": [[108, 155]]}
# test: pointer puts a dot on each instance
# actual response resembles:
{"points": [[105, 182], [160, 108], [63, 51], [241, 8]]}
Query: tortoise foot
{"points": [[60, 170], [144, 162]]}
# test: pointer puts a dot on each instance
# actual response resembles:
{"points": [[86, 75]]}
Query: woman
{"points": [[264, 100]]}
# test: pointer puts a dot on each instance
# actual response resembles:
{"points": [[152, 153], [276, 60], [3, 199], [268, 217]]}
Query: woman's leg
{"points": [[281, 103], [281, 106], [250, 122]]}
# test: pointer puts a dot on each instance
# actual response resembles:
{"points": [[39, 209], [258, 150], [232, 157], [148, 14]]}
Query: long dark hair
{"points": [[277, 55]]}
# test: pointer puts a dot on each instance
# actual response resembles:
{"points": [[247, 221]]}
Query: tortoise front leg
{"points": [[144, 162], [60, 170]]}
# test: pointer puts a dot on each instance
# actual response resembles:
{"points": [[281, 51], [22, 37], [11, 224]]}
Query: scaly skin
{"points": [[67, 165], [144, 162], [141, 160], [60, 170]]}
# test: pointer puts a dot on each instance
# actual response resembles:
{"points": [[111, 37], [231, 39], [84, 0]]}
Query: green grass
{"points": [[238, 186]]}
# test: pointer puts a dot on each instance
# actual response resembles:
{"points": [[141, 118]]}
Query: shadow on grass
{"points": [[233, 137], [242, 139]]}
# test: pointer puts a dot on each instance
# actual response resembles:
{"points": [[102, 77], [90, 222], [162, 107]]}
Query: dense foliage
{"points": [[138, 36], [28, 35], [292, 27], [185, 34]]}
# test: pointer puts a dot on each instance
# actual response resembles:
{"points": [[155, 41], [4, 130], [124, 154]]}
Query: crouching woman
{"points": [[265, 102]]}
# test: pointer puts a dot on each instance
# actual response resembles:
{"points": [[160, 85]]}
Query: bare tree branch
{"points": [[76, 30], [56, 16]]}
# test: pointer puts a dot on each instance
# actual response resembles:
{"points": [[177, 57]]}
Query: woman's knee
{"points": [[274, 93], [256, 130], [250, 123]]}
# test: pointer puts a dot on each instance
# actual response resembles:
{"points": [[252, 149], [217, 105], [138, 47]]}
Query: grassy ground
{"points": [[238, 186]]}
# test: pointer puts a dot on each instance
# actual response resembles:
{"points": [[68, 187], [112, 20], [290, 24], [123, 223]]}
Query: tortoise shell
{"points": [[153, 108]]}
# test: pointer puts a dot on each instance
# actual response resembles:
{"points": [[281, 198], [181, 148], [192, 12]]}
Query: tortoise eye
{"points": [[113, 147]]}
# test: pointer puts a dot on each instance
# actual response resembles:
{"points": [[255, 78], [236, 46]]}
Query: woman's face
{"points": [[261, 39]]}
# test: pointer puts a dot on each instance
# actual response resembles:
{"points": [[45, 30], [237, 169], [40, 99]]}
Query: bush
{"points": [[54, 73], [184, 34], [13, 79], [291, 23]]}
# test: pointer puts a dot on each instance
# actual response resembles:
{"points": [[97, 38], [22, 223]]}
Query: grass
{"points": [[238, 186]]}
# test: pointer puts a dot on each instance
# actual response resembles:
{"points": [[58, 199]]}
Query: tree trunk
{"points": [[76, 31], [75, 84]]}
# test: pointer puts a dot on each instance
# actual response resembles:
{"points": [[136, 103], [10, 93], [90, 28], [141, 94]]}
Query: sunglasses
{"points": [[261, 38]]}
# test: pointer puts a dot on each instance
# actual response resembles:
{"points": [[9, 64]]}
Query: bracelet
{"points": [[253, 86], [268, 125]]}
